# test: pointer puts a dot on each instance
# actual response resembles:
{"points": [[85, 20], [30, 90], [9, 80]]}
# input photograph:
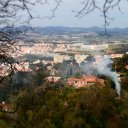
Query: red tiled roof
{"points": [[74, 79], [90, 78], [126, 66], [85, 79]]}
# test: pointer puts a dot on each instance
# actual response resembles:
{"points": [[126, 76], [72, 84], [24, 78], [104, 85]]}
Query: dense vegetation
{"points": [[67, 107], [44, 105]]}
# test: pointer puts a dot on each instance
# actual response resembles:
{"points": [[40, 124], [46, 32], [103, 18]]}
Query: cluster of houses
{"points": [[5, 107], [85, 81]]}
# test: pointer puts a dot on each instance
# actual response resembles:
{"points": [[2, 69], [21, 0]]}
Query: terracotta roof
{"points": [[79, 82], [85, 79], [90, 78], [126, 66], [74, 79]]}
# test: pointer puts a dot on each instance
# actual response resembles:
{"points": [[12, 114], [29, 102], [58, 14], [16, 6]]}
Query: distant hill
{"points": [[67, 30], [75, 30]]}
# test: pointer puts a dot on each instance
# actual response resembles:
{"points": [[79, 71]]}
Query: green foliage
{"points": [[3, 124], [120, 63], [67, 107]]}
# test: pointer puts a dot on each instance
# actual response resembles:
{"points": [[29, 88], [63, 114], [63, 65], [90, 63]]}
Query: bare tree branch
{"points": [[105, 8], [9, 9], [53, 11]]}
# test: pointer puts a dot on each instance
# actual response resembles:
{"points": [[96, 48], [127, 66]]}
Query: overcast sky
{"points": [[65, 17]]}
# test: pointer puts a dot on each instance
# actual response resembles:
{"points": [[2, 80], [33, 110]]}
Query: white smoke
{"points": [[102, 66]]}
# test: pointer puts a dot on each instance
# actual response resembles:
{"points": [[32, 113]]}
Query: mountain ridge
{"points": [[68, 30]]}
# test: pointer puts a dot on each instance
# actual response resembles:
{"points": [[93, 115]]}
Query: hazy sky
{"points": [[65, 17]]}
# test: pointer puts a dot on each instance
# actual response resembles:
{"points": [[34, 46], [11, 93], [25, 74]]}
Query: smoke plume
{"points": [[102, 66]]}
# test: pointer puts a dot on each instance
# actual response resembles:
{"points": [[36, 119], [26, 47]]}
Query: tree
{"points": [[9, 10]]}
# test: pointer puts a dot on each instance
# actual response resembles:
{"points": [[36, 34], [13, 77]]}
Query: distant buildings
{"points": [[56, 47], [56, 51], [126, 66], [60, 58], [4, 70], [5, 107], [80, 58], [53, 79], [113, 56], [94, 47], [23, 67]]}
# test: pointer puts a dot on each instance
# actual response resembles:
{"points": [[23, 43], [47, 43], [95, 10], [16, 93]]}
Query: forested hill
{"points": [[59, 30]]}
